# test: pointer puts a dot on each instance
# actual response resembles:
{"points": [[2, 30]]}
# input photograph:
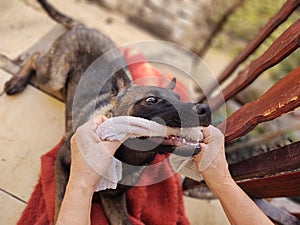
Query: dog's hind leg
{"points": [[17, 83], [115, 208]]}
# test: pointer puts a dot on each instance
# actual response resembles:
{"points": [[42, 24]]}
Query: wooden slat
{"points": [[286, 10], [282, 47], [280, 185], [276, 214], [281, 98], [280, 160]]}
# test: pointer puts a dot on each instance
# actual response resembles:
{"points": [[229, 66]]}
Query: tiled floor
{"points": [[32, 122]]}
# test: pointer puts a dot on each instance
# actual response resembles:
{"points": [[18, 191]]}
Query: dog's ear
{"points": [[172, 84], [119, 81]]}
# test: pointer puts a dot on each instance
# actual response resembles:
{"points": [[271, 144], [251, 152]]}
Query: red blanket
{"points": [[156, 204]]}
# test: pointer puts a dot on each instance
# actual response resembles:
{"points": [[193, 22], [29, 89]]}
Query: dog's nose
{"points": [[201, 109], [203, 112]]}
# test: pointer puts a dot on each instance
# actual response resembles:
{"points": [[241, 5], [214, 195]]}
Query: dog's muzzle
{"points": [[204, 113]]}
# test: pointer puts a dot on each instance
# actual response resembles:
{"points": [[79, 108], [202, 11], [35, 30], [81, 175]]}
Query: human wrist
{"points": [[81, 185], [218, 184]]}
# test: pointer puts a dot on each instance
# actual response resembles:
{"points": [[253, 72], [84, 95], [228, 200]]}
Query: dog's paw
{"points": [[15, 85]]}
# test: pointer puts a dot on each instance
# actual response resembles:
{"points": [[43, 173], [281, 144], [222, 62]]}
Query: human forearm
{"points": [[76, 206], [237, 205], [85, 175], [239, 208]]}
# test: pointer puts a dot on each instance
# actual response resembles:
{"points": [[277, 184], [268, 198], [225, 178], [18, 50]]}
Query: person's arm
{"points": [[237, 205], [76, 205]]}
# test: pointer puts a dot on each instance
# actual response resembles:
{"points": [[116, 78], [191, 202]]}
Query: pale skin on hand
{"points": [[83, 181], [80, 171], [81, 185], [238, 207]]}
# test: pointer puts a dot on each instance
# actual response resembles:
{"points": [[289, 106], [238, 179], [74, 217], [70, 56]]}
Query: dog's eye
{"points": [[151, 99]]}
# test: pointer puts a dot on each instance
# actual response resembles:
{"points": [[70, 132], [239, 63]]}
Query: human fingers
{"points": [[99, 119], [212, 134], [212, 145], [80, 168], [199, 156], [98, 154], [206, 131]]}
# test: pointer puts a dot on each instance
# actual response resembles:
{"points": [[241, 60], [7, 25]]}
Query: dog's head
{"points": [[161, 105]]}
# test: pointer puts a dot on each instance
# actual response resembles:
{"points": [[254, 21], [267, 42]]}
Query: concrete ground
{"points": [[33, 122]]}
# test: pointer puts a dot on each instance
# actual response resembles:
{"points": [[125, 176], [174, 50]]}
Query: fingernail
{"points": [[197, 150]]}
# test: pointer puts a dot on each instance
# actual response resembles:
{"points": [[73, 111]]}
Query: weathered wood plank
{"points": [[283, 46], [278, 161], [286, 10], [281, 98], [283, 159], [280, 185], [276, 214]]}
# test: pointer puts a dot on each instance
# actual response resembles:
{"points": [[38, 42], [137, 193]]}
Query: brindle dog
{"points": [[108, 91]]}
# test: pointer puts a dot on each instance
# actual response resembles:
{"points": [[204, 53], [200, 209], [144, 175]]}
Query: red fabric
{"points": [[40, 208], [155, 204], [145, 74]]}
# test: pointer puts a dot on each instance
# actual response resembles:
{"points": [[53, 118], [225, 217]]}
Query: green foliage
{"points": [[286, 66], [246, 22], [253, 14], [241, 27]]}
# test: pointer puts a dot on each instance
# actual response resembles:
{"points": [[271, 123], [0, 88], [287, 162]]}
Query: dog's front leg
{"points": [[114, 206], [62, 172], [18, 82]]}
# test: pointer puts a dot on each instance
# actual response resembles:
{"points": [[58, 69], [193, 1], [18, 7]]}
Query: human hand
{"points": [[92, 158], [213, 166], [211, 160]]}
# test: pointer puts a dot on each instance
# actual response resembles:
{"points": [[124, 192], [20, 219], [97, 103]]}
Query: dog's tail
{"points": [[66, 21]]}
